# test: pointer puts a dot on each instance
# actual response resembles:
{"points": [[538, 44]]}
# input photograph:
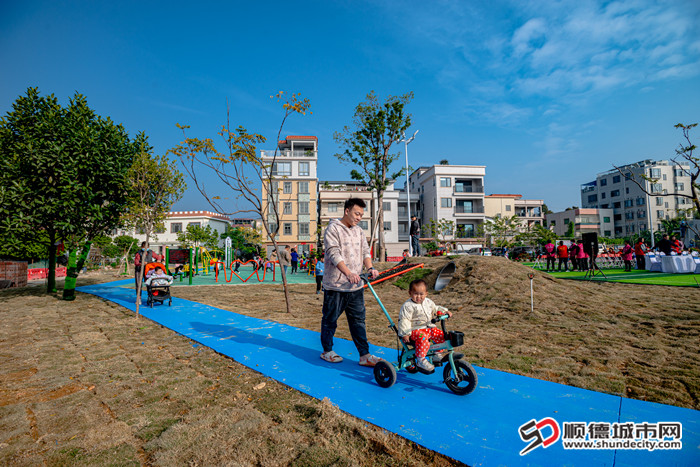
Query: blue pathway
{"points": [[477, 429]]}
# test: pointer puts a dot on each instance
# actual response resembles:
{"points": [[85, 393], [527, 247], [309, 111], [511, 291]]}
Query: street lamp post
{"points": [[408, 189]]}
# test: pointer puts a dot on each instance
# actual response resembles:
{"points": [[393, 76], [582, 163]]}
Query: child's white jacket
{"points": [[416, 316]]}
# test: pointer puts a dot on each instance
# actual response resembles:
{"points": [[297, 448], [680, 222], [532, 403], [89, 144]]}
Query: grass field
{"points": [[634, 277]]}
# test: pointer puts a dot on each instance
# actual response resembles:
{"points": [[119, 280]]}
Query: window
{"points": [[629, 215], [364, 225], [656, 188], [566, 221], [303, 187], [194, 224], [604, 206], [641, 214], [303, 228], [663, 177], [445, 182], [282, 168], [629, 203], [608, 233], [433, 182], [602, 196], [274, 187], [603, 181], [627, 190], [659, 214], [508, 207], [387, 226], [287, 208], [303, 169], [618, 217], [678, 172], [303, 207], [332, 207], [666, 204], [287, 228], [616, 179], [606, 219], [386, 206], [659, 201], [655, 173], [614, 193], [273, 227], [592, 198], [640, 201], [176, 227], [287, 190], [552, 223], [445, 202], [617, 205], [679, 186]]}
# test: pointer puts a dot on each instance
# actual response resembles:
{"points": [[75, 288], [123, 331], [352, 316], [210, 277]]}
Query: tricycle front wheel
{"points": [[385, 374], [464, 382]]}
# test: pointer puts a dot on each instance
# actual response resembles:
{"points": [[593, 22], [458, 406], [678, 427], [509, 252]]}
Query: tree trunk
{"points": [[284, 274], [139, 280], [380, 220], [51, 280], [75, 265]]}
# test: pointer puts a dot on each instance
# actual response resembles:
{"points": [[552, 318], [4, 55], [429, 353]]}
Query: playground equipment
{"points": [[401, 268], [458, 375], [445, 276], [256, 270]]}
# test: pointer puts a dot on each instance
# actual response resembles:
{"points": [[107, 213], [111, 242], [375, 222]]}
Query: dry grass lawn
{"points": [[86, 383]]}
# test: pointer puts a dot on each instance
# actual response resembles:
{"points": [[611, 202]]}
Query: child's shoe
{"points": [[424, 365]]}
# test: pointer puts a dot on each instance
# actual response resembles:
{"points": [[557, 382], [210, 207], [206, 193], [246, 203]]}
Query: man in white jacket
{"points": [[346, 251]]}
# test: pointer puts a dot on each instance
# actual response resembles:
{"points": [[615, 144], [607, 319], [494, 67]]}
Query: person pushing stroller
{"points": [[415, 323]]}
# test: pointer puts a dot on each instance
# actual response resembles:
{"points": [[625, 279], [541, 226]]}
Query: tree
{"points": [[546, 210], [444, 162], [124, 244], [195, 236], [376, 126], [440, 229], [155, 185], [245, 239], [62, 178], [570, 230], [501, 230], [241, 169], [536, 235]]}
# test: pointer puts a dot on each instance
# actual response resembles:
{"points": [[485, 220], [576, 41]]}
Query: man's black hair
{"points": [[349, 204]]}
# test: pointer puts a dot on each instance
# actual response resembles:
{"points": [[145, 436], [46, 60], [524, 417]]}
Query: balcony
{"points": [[467, 189], [469, 209], [310, 153]]}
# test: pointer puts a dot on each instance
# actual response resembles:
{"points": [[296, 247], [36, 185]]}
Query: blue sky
{"points": [[545, 94]]}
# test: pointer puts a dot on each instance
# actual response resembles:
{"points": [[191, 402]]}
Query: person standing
{"points": [[664, 245], [563, 254], [550, 249], [318, 272], [415, 236], [627, 252], [295, 260], [581, 257], [284, 258], [639, 250], [573, 253], [346, 248]]}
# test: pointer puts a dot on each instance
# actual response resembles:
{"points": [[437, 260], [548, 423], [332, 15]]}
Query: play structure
{"points": [[445, 276], [459, 376], [402, 268], [256, 269]]}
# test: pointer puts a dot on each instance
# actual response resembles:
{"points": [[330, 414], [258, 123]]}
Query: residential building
{"points": [[331, 200], [585, 220], [634, 210], [176, 222], [529, 211], [454, 192], [294, 190]]}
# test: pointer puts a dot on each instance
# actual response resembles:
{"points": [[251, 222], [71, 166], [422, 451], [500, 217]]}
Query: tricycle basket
{"points": [[456, 338]]}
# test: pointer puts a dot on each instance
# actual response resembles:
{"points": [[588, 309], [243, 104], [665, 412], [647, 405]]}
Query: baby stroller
{"points": [[159, 289]]}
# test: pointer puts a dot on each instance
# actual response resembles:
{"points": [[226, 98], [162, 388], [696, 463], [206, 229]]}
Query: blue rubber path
{"points": [[478, 429]]}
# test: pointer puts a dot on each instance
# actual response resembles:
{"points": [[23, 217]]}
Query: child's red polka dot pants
{"points": [[421, 338]]}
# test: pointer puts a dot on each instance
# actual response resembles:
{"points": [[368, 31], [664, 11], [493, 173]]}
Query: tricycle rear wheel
{"points": [[464, 382]]}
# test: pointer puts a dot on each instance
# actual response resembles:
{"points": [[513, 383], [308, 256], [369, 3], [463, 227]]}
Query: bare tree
{"points": [[242, 169], [685, 161]]}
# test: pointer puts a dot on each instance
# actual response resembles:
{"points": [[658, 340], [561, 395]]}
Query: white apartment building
{"points": [[294, 190], [449, 192], [331, 199], [634, 210], [176, 222]]}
